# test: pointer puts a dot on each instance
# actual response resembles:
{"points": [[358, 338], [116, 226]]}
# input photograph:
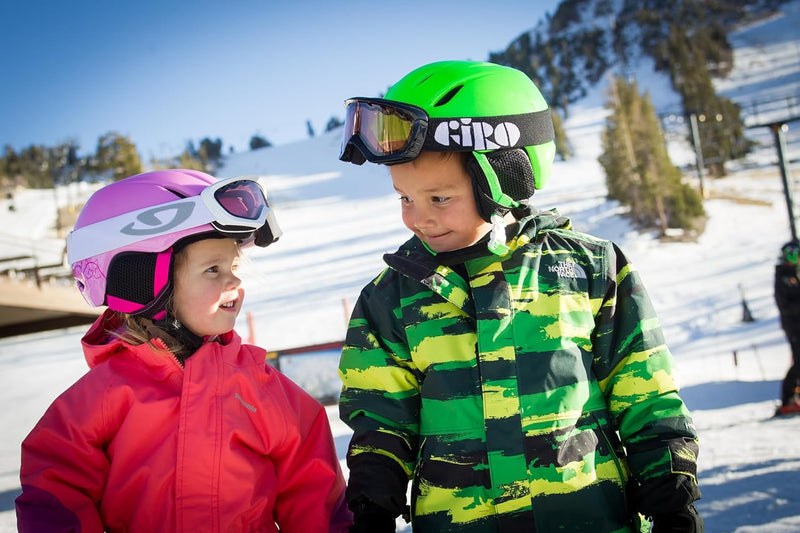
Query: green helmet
{"points": [[790, 252], [495, 112]]}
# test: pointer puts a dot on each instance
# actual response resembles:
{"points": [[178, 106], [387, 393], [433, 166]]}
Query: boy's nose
{"points": [[422, 218]]}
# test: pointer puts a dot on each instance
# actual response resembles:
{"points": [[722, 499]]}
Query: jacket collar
{"points": [[100, 345]]}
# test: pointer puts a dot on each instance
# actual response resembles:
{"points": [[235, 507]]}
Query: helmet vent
{"points": [[449, 96], [176, 193]]}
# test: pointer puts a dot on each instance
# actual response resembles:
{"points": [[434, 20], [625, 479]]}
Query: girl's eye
{"points": [[213, 269], [440, 199], [405, 200]]}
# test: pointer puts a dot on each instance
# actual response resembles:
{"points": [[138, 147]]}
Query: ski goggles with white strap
{"points": [[389, 132], [234, 207]]}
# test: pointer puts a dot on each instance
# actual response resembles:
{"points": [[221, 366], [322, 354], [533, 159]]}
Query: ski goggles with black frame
{"points": [[389, 132], [235, 207]]}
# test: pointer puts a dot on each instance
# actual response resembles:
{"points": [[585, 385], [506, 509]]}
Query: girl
{"points": [[177, 426]]}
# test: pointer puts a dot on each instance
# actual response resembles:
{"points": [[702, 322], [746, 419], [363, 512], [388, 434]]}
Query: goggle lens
{"points": [[384, 130], [242, 199]]}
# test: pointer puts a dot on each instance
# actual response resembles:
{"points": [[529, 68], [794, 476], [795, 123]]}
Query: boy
{"points": [[511, 367]]}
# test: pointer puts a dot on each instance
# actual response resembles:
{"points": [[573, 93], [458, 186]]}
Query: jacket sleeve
{"points": [[380, 402], [64, 466], [635, 371], [310, 481]]}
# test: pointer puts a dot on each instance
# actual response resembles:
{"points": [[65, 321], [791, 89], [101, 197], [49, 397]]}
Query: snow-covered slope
{"points": [[338, 219]]}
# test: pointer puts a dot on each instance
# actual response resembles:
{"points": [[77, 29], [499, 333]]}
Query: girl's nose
{"points": [[234, 281]]}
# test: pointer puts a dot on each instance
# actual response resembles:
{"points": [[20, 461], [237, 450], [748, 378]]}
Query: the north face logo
{"points": [[475, 134], [567, 269]]}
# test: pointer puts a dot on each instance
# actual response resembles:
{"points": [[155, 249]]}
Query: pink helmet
{"points": [[122, 246]]}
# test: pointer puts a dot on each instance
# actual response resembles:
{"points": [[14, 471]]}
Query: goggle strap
{"points": [[154, 221], [127, 229], [481, 133]]}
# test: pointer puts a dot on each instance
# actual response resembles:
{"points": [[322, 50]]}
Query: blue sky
{"points": [[166, 72]]}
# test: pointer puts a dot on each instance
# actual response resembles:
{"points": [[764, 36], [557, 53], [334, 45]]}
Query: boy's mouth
{"points": [[436, 236], [229, 305]]}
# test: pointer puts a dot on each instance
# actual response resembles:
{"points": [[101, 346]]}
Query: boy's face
{"points": [[437, 200], [208, 296]]}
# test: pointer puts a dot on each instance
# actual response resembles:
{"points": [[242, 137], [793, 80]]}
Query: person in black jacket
{"points": [[787, 298]]}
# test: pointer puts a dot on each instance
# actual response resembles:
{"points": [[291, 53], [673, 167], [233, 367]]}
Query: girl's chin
{"points": [[218, 327]]}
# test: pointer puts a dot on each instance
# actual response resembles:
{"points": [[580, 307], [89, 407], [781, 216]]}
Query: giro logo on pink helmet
{"points": [[154, 225]]}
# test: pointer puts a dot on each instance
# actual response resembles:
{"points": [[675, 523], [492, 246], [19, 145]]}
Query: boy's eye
{"points": [[440, 199], [213, 269], [405, 200]]}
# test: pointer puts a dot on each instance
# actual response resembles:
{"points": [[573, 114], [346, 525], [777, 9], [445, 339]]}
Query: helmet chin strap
{"points": [[177, 330], [497, 239]]}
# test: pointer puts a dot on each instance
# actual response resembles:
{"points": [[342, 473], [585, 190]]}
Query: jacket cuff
{"points": [[378, 479], [664, 495]]}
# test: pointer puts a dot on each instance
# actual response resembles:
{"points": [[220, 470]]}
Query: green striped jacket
{"points": [[524, 396]]}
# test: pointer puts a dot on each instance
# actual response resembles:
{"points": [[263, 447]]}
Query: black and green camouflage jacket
{"points": [[523, 396]]}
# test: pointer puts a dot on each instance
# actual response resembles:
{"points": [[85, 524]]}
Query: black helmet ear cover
{"points": [[514, 174], [134, 283]]}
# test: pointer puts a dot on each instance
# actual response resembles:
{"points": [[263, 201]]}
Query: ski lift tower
{"points": [[779, 129]]}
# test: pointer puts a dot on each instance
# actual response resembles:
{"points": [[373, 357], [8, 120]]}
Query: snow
{"points": [[339, 219]]}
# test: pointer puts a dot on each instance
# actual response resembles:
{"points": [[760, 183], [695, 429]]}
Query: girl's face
{"points": [[208, 296], [437, 201]]}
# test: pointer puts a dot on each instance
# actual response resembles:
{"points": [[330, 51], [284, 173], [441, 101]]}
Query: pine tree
{"points": [[210, 151], [32, 167], [117, 153], [333, 123], [618, 158], [639, 173], [562, 144], [692, 58], [257, 141], [191, 161]]}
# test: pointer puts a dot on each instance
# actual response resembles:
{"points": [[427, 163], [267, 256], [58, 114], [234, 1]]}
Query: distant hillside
{"points": [[571, 50]]}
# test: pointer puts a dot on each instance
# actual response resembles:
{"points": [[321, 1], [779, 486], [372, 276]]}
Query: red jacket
{"points": [[141, 444]]}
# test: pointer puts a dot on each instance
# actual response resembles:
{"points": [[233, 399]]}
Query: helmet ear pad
{"points": [[514, 173], [139, 283]]}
